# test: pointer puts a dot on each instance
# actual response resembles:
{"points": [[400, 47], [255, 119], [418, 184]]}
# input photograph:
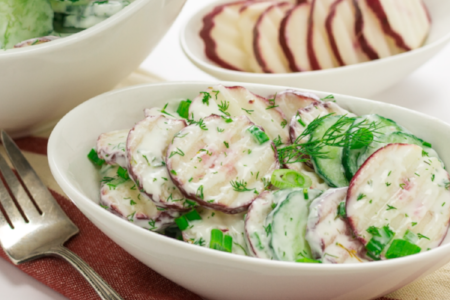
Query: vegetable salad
{"points": [[287, 177], [30, 22]]}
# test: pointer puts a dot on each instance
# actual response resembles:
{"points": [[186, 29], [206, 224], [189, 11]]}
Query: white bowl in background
{"points": [[210, 273], [361, 80], [39, 84]]}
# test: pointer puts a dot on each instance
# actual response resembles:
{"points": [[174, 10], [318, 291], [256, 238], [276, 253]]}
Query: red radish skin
{"points": [[352, 191], [311, 53], [377, 8], [359, 24], [210, 44], [262, 61], [139, 175], [295, 64], [328, 25], [212, 161]]}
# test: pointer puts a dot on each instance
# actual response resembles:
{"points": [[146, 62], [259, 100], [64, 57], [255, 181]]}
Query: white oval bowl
{"points": [[41, 83], [361, 80], [210, 273]]}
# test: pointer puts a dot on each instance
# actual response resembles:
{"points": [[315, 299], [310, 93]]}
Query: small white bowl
{"points": [[361, 80], [41, 83], [213, 274]]}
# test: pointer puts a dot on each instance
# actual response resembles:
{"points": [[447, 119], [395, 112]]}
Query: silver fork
{"points": [[34, 233]]}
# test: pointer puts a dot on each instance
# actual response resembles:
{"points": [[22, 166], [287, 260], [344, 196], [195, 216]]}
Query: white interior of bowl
{"points": [[77, 133], [194, 47], [134, 6]]}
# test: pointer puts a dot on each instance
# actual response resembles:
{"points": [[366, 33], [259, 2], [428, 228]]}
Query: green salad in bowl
{"points": [[30, 22]]}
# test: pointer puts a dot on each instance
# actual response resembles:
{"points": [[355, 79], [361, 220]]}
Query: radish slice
{"points": [[111, 147], [122, 197], [146, 149], [399, 191], [293, 37], [257, 230], [372, 39], [290, 101], [327, 233], [320, 53], [199, 231], [222, 38], [340, 25], [248, 16], [407, 22], [237, 101], [268, 51], [221, 164]]}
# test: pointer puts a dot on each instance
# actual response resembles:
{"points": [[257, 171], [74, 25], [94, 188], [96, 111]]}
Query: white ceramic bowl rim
{"points": [[116, 221], [201, 12], [86, 33]]}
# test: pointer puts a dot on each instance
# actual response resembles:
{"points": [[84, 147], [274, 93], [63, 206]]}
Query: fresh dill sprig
{"points": [[223, 107], [240, 186], [249, 111], [206, 97], [163, 111]]}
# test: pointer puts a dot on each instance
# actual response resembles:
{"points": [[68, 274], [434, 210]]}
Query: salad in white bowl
{"points": [[228, 171], [290, 230], [28, 23]]}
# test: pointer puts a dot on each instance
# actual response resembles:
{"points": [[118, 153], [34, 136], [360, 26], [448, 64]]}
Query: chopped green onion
{"points": [[400, 248], [426, 144], [193, 215], [182, 223], [285, 178], [381, 237], [308, 260], [227, 243], [220, 241], [341, 210], [216, 239], [305, 194], [93, 157], [260, 136], [183, 108], [123, 173]]}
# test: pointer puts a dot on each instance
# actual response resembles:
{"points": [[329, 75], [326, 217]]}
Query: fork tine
{"points": [[18, 191], [37, 189], [7, 202]]}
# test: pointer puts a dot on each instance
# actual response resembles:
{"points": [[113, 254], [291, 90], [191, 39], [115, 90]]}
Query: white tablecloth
{"points": [[426, 90]]}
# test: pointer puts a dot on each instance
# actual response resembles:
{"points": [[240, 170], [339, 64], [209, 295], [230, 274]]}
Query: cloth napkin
{"points": [[129, 277]]}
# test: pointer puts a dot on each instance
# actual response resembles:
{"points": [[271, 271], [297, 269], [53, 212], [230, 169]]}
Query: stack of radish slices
{"points": [[305, 35], [287, 177]]}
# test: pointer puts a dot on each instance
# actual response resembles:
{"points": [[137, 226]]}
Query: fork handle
{"points": [[99, 284]]}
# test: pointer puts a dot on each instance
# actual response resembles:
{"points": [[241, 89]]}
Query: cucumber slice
{"points": [[289, 220], [258, 229], [393, 138], [350, 156], [24, 19], [330, 168]]}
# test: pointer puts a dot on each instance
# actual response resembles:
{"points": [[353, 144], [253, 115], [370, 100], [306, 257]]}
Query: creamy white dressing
{"points": [[122, 197], [218, 156], [328, 235], [242, 102], [111, 147], [146, 152], [290, 101], [288, 221], [257, 230], [400, 187], [199, 231]]}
